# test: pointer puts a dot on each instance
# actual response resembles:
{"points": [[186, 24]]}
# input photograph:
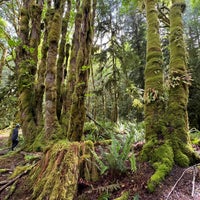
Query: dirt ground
{"points": [[180, 184]]}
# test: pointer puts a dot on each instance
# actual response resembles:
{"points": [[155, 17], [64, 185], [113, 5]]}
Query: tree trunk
{"points": [[27, 62], [62, 56], [78, 110], [156, 149], [57, 175], [177, 117], [71, 72], [167, 139], [51, 120], [2, 61]]}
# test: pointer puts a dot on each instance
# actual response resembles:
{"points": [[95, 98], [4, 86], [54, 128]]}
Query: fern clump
{"points": [[116, 157]]}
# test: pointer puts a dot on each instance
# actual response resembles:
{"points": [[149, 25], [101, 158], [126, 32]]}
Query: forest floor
{"points": [[180, 184]]}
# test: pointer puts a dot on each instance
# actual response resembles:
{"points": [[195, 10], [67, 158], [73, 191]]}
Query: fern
{"points": [[102, 167], [119, 153]]}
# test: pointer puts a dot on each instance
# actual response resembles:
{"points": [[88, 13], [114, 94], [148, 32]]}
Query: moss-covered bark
{"points": [[78, 110], [167, 139], [71, 72], [27, 63], [63, 58], [56, 176], [2, 60], [153, 96], [177, 118], [51, 124]]}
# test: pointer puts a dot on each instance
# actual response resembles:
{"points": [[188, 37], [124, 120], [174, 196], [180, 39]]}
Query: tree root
{"points": [[10, 182]]}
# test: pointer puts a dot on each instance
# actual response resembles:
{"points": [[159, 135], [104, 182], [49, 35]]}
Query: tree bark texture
{"points": [[177, 116], [167, 139], [78, 110], [51, 120], [27, 64]]}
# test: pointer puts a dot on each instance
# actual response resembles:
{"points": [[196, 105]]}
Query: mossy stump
{"points": [[56, 176]]}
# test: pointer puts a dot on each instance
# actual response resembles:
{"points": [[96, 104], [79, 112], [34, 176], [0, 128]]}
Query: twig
{"points": [[193, 181], [180, 179]]}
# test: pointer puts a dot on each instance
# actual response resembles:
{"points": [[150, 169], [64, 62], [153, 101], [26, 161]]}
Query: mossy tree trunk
{"points": [[157, 148], [177, 117], [63, 59], [27, 63], [40, 87], [2, 60], [51, 124], [71, 72], [167, 139], [78, 110]]}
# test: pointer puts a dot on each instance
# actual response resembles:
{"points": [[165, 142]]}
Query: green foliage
{"points": [[127, 127], [195, 136], [116, 157], [124, 196], [104, 196]]}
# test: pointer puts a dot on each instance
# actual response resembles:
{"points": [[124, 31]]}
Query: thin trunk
{"points": [[62, 56], [51, 121], [2, 61], [71, 72], [78, 110]]}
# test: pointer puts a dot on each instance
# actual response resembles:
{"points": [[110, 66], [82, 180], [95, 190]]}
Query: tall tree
{"points": [[55, 25], [27, 51], [167, 139], [83, 61], [180, 79]]}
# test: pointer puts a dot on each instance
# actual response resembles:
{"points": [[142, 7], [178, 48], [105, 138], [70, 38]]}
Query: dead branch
{"points": [[193, 181], [13, 180], [180, 179], [9, 182]]}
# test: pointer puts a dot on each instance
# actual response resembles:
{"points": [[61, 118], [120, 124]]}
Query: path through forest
{"points": [[187, 188]]}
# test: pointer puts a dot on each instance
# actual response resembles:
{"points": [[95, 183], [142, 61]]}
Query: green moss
{"points": [[181, 159], [19, 170], [57, 176], [158, 176], [54, 34], [162, 159], [124, 196]]}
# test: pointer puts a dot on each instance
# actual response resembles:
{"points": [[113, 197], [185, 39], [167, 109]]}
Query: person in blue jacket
{"points": [[15, 136]]}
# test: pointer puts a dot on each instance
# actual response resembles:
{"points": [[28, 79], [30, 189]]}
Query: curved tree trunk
{"points": [[27, 63]]}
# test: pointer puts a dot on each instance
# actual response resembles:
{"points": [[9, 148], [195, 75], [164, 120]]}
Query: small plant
{"points": [[195, 136], [116, 157]]}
